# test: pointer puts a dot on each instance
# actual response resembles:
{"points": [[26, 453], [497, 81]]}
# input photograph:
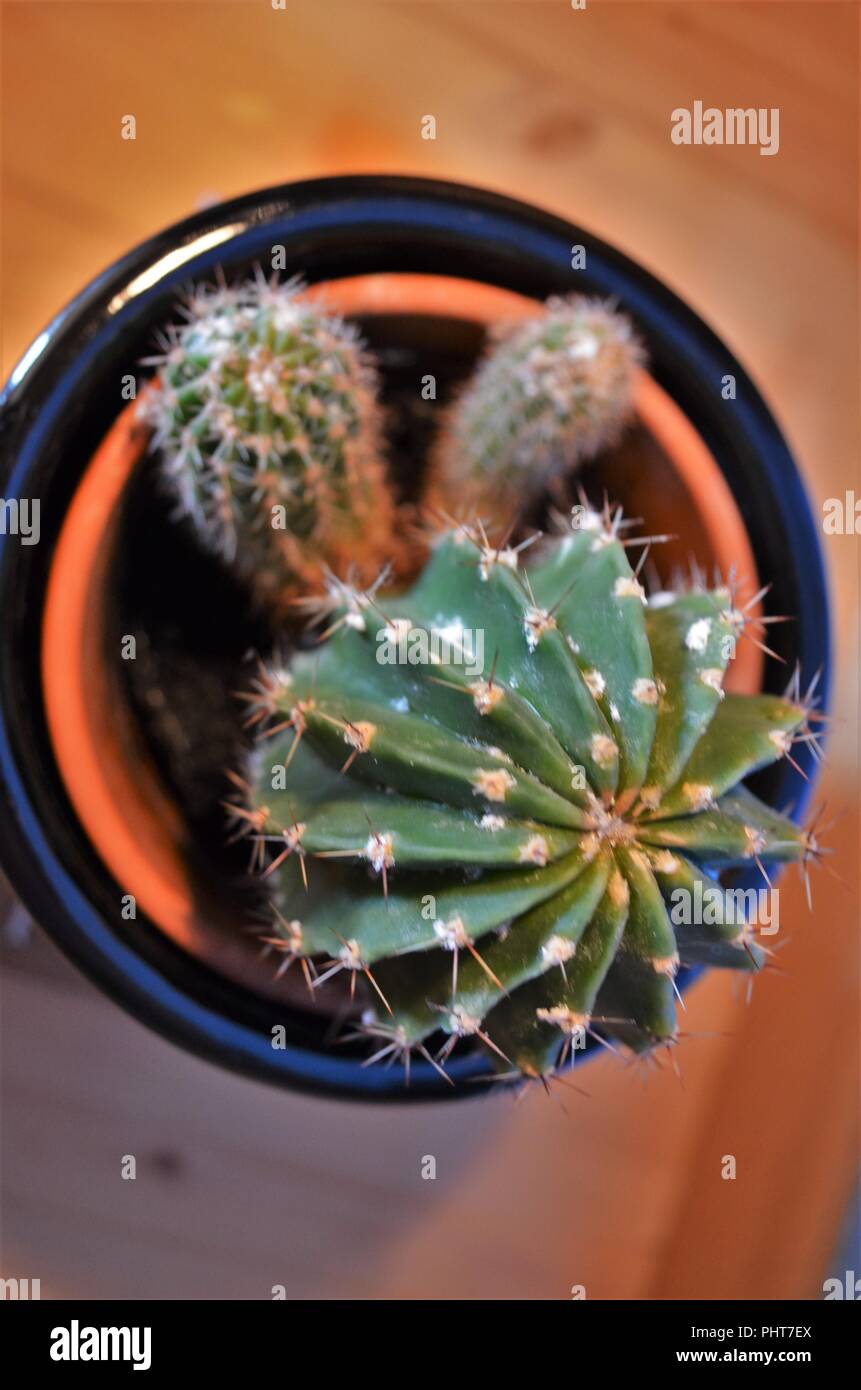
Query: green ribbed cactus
{"points": [[269, 429], [549, 394], [479, 798]]}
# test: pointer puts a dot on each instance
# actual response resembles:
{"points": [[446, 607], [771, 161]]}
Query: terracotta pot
{"points": [[181, 961]]}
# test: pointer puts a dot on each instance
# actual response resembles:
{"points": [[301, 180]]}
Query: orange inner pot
{"points": [[134, 826]]}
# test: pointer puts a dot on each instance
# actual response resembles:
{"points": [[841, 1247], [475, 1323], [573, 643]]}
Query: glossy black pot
{"points": [[61, 399]]}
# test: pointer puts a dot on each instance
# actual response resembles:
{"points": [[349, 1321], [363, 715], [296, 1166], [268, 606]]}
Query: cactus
{"points": [[268, 427], [549, 394], [489, 831]]}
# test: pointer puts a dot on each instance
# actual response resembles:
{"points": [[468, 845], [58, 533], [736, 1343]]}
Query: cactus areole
{"points": [[531, 837], [267, 425], [510, 855]]}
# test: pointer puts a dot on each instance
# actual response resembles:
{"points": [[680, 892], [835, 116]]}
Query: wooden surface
{"points": [[240, 1188]]}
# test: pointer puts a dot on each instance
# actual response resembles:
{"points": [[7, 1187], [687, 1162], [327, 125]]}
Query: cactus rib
{"points": [[533, 818], [268, 430]]}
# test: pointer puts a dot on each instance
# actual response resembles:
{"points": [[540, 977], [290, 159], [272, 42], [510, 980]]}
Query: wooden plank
{"points": [[240, 1187], [785, 1105]]}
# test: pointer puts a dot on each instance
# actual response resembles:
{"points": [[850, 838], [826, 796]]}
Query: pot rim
{"points": [[129, 819], [389, 223]]}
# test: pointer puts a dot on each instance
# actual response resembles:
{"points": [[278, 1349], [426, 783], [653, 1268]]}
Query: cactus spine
{"points": [[492, 837], [269, 430], [549, 394]]}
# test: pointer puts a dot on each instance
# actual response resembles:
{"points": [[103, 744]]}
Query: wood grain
{"points": [[240, 1188]]}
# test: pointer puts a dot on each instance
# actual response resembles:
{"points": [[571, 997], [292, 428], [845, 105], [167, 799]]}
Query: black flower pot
{"points": [[62, 399]]}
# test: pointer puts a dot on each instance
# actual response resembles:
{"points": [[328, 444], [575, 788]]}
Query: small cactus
{"points": [[268, 426], [490, 832], [549, 394]]}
